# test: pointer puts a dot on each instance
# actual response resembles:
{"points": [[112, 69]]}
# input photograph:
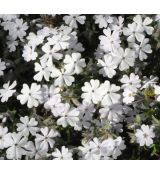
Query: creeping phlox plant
{"points": [[80, 87]]}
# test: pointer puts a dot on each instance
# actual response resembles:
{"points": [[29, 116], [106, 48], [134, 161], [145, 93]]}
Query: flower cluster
{"points": [[79, 87]]}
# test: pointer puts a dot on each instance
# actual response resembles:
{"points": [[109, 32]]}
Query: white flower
{"points": [[8, 17], [59, 41], [157, 92], [96, 149], [48, 92], [99, 53], [35, 151], [15, 142], [7, 91], [46, 139], [102, 150], [18, 29], [29, 53], [7, 25], [72, 20], [75, 46], [132, 82], [64, 154], [86, 109], [145, 135], [110, 95], [114, 113], [108, 64], [110, 145], [46, 32], [91, 91], [34, 40], [31, 96], [126, 58], [52, 99], [110, 40], [82, 123], [43, 71], [103, 20], [134, 31], [54, 103], [51, 52], [142, 49], [69, 116], [85, 117], [74, 63], [147, 21], [2, 67], [12, 45], [85, 152], [117, 25], [119, 145], [3, 132], [62, 77], [128, 96], [27, 126]]}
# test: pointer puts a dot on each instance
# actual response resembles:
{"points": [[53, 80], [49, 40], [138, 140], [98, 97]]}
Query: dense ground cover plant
{"points": [[80, 87]]}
